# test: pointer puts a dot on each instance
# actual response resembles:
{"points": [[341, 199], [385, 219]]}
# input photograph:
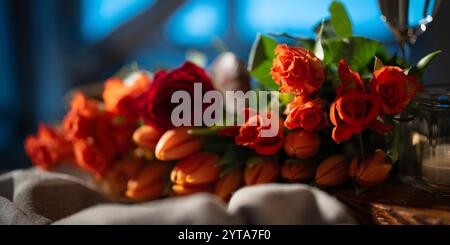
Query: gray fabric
{"points": [[37, 197]]}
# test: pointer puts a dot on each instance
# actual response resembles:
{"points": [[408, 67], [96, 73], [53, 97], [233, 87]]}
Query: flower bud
{"points": [[261, 171], [150, 182], [176, 144], [147, 137], [229, 184], [117, 177], [332, 171], [198, 170], [302, 144], [297, 171], [371, 171]]}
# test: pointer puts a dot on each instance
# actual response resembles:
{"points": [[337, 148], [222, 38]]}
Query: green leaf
{"points": [[339, 20], [318, 49], [285, 98], [261, 60], [358, 52], [425, 61], [377, 64]]}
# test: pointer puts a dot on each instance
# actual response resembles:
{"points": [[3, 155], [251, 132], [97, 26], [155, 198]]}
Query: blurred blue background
{"points": [[48, 47]]}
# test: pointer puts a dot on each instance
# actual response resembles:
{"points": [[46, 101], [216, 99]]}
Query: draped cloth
{"points": [[33, 196]]}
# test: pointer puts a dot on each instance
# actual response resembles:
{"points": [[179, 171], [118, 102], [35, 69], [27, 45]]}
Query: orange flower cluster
{"points": [[94, 135], [300, 72], [148, 161]]}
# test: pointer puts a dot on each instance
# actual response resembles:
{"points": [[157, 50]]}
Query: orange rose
{"points": [[332, 171], [297, 70], [48, 148], [371, 171], [197, 172], [302, 144], [297, 171], [308, 115], [121, 98], [147, 137], [176, 144], [229, 184], [80, 120], [250, 135], [261, 171], [395, 88], [354, 110], [150, 183]]}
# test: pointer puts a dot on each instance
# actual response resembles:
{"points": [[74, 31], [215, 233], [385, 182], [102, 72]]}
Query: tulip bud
{"points": [[198, 170], [229, 184], [332, 171], [116, 179], [371, 171], [176, 144], [302, 144], [297, 171], [150, 182], [147, 137], [261, 171]]}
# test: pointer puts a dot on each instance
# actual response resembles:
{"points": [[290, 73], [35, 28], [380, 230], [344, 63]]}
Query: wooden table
{"points": [[394, 202]]}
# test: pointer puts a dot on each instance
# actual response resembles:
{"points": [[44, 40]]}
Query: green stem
{"points": [[205, 131]]}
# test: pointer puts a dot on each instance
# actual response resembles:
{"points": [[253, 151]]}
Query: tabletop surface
{"points": [[394, 202]]}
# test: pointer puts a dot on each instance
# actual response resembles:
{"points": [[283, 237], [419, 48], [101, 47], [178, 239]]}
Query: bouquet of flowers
{"points": [[332, 117]]}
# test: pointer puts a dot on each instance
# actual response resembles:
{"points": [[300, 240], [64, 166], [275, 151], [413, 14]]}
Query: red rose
{"points": [[395, 88], [155, 104], [354, 110], [297, 70], [250, 135], [48, 148], [308, 115], [120, 98]]}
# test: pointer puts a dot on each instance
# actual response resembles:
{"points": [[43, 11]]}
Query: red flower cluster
{"points": [[48, 148], [92, 134], [97, 137], [357, 108]]}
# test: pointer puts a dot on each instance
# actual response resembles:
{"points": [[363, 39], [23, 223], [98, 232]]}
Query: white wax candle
{"points": [[436, 167]]}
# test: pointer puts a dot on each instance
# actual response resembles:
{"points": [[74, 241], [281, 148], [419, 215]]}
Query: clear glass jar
{"points": [[424, 152]]}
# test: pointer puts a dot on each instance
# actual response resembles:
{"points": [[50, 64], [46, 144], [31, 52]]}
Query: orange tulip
{"points": [[116, 178], [176, 144], [195, 173], [261, 171], [147, 137], [371, 171], [182, 190], [296, 171], [229, 184], [302, 144], [150, 182], [332, 171]]}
